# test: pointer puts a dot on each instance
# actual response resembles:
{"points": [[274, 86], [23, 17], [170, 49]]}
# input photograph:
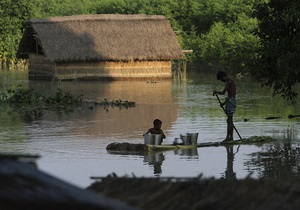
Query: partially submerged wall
{"points": [[42, 69], [114, 70]]}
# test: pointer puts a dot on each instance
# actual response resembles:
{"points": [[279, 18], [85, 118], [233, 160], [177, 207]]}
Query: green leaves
{"points": [[27, 97], [278, 62], [29, 103], [13, 15], [116, 103], [230, 46]]}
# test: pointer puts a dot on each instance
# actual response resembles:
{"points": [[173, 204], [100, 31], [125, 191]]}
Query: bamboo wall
{"points": [[42, 69], [114, 70]]}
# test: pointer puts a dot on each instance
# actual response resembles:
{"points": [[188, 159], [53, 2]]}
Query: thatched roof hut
{"points": [[110, 42]]}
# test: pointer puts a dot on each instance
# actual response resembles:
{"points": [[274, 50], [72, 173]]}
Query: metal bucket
{"points": [[149, 139], [157, 139], [177, 141], [186, 139], [193, 137]]}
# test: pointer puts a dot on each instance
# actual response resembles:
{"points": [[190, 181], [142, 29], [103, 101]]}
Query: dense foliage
{"points": [[13, 13], [279, 61]]}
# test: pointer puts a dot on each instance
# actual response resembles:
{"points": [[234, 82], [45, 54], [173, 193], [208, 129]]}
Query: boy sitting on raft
{"points": [[156, 129]]}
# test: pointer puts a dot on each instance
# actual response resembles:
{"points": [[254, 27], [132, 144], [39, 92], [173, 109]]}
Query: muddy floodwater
{"points": [[72, 145]]}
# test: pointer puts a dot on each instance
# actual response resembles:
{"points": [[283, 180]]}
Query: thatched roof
{"points": [[101, 38]]}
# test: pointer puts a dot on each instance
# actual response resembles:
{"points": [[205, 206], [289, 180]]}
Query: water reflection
{"points": [[229, 173], [72, 145], [155, 160], [187, 153], [153, 100], [276, 161]]}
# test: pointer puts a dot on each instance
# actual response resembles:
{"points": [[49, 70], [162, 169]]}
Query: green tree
{"points": [[13, 15], [230, 46], [48, 8], [277, 65]]}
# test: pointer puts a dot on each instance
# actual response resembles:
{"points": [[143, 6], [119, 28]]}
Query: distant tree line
{"points": [[238, 36]]}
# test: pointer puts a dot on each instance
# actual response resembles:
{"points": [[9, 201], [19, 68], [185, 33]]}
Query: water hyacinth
{"points": [[116, 103], [27, 97], [31, 105]]}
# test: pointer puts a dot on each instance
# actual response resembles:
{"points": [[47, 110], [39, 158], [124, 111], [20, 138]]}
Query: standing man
{"points": [[230, 102]]}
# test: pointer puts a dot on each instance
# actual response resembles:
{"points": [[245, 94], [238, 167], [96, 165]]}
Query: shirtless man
{"points": [[230, 102]]}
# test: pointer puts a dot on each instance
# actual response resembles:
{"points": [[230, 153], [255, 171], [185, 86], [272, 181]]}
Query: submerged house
{"points": [[99, 47]]}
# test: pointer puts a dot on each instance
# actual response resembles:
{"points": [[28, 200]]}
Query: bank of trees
{"points": [[230, 35]]}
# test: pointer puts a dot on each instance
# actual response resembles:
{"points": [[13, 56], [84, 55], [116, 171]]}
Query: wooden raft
{"points": [[251, 140], [125, 147], [128, 147]]}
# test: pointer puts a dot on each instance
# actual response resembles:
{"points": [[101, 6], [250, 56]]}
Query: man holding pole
{"points": [[230, 103]]}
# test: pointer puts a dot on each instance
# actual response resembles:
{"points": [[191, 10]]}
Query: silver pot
{"points": [[177, 141]]}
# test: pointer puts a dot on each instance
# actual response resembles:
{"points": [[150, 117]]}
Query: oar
{"points": [[227, 115]]}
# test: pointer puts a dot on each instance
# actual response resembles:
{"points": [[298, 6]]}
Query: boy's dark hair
{"points": [[157, 122], [221, 74]]}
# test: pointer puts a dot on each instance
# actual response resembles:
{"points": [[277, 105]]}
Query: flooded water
{"points": [[72, 145]]}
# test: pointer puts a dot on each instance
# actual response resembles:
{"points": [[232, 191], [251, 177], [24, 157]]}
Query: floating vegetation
{"points": [[272, 118], [260, 139], [31, 104], [116, 103], [27, 97]]}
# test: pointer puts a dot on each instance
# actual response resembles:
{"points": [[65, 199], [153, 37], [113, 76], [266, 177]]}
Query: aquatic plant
{"points": [[31, 105], [116, 103], [27, 97], [63, 98]]}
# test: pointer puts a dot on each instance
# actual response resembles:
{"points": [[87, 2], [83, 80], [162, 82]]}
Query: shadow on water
{"points": [[77, 140]]}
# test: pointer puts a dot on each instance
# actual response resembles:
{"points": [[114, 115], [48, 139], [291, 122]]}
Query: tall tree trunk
{"points": [[7, 64]]}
